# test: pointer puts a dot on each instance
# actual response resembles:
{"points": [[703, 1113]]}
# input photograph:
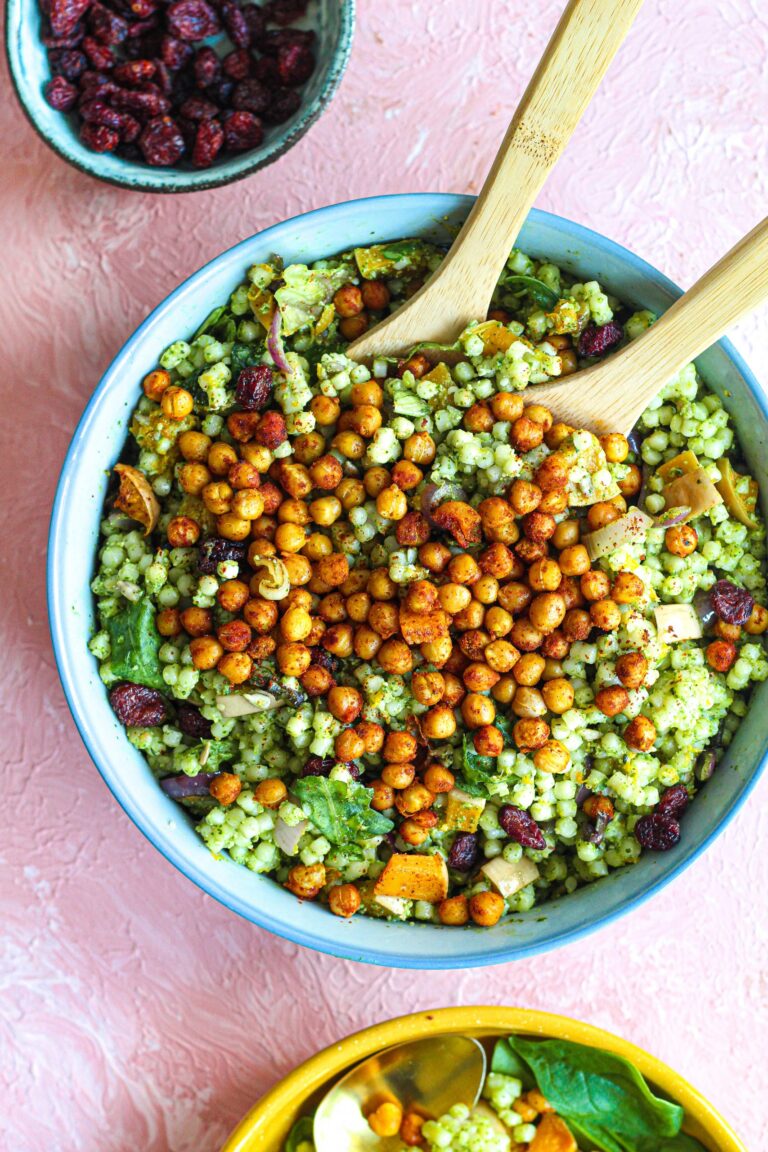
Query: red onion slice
{"points": [[671, 516], [181, 787], [275, 343], [702, 604], [433, 495]]}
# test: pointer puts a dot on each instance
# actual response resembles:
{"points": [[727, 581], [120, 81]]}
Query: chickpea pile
{"points": [[484, 635]]}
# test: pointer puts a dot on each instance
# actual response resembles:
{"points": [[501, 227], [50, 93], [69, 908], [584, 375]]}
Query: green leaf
{"points": [[479, 770], [135, 645], [211, 321], [244, 356], [506, 1061], [341, 812], [539, 292], [219, 751], [302, 1132], [602, 1097]]}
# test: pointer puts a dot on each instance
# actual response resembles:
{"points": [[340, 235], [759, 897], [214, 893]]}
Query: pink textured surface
{"points": [[137, 1012]]}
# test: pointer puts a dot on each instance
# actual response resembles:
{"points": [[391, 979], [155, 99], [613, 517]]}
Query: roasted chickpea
{"points": [[415, 798], [428, 687], [392, 503], [501, 656], [293, 511], [236, 666], [384, 619], [248, 504], [473, 642], [366, 642], [454, 911], [270, 793], [344, 900], [630, 484], [529, 669], [316, 681], [232, 595], [454, 598], [434, 556], [507, 406], [524, 497], [381, 586], [547, 611], [640, 734], [498, 622], [260, 614], [553, 474], [577, 624], [725, 631], [552, 757], [225, 788], [177, 403], [566, 534], [595, 585], [555, 646], [358, 605], [463, 569], [395, 657], [383, 796], [544, 575], [554, 502], [498, 520], [559, 431], [197, 621], [525, 635], [217, 497], [600, 514], [235, 636], [183, 532], [348, 746], [757, 622], [479, 677], [526, 434], [372, 736], [233, 527], [399, 747], [488, 741], [438, 778], [528, 702], [348, 301], [505, 690], [530, 550], [317, 545], [721, 655], [193, 478], [627, 587], [296, 624], [290, 537], [357, 581], [168, 622], [206, 652], [406, 475], [156, 383], [439, 723], [332, 570], [351, 493], [530, 733], [558, 695], [325, 409], [221, 458], [571, 592], [338, 640], [515, 597], [486, 908], [419, 448], [681, 539], [632, 669], [615, 446], [421, 596], [574, 560], [605, 615], [194, 446], [477, 710], [365, 420], [306, 880], [612, 700], [352, 327], [350, 444], [398, 776], [375, 295], [540, 414]]}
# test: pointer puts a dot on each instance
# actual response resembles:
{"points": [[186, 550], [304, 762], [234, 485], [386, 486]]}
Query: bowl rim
{"points": [[316, 1072], [171, 181], [335, 943]]}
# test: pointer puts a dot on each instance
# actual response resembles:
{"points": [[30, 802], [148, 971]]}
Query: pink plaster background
{"points": [[136, 1011]]}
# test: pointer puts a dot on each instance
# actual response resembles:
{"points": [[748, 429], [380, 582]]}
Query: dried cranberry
{"points": [[256, 21], [207, 67], [161, 142], [285, 103], [657, 832], [254, 388], [198, 108], [163, 77], [732, 604], [137, 706], [64, 15], [215, 550], [271, 44], [148, 104], [107, 26], [267, 72], [96, 84], [99, 55], [144, 47], [192, 20], [521, 827], [192, 722], [674, 801], [251, 96], [60, 94], [67, 62], [286, 11], [237, 65], [222, 91], [464, 852], [97, 112], [99, 138], [72, 40], [323, 659], [315, 766], [175, 53], [242, 131], [596, 340], [295, 65], [236, 25], [135, 72], [208, 143]]}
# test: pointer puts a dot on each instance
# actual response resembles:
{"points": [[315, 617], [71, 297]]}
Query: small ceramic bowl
{"points": [[333, 21], [97, 444], [269, 1122]]}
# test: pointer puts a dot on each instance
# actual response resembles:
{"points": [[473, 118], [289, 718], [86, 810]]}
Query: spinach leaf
{"points": [[135, 643], [479, 771], [506, 1061], [300, 1133], [211, 320], [341, 812], [602, 1097], [244, 356], [220, 322], [539, 292]]}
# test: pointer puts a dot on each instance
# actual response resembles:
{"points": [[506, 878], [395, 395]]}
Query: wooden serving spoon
{"points": [[575, 61], [610, 396]]}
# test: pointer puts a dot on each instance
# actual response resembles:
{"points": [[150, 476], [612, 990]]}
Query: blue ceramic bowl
{"points": [[334, 22], [97, 444]]}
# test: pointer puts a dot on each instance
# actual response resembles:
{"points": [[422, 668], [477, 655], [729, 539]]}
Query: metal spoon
{"points": [[429, 1075], [574, 62]]}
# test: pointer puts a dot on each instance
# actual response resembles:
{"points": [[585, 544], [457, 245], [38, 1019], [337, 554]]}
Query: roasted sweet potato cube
{"points": [[414, 877], [423, 627], [552, 1135], [461, 520]]}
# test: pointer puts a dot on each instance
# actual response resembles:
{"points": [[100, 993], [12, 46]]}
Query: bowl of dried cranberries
{"points": [[175, 95]]}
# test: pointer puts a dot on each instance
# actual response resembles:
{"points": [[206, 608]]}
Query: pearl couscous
{"points": [[395, 636]]}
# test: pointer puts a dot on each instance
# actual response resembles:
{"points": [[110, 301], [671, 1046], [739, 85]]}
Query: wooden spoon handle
{"points": [[576, 59]]}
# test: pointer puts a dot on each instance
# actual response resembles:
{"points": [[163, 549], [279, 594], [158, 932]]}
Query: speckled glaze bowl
{"points": [[334, 22], [97, 444], [267, 1125]]}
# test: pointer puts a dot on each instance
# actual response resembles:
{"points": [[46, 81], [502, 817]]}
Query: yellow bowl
{"points": [[268, 1123]]}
